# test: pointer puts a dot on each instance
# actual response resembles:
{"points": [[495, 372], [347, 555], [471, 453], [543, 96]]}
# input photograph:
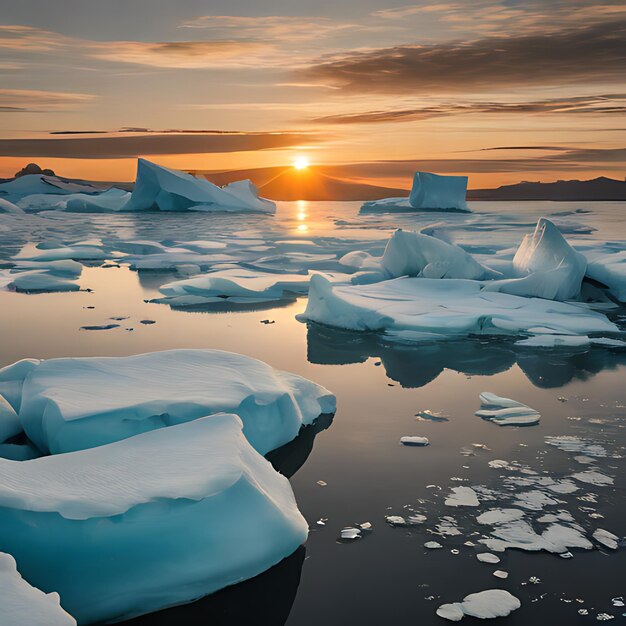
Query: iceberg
{"points": [[9, 422], [545, 266], [71, 404], [484, 605], [158, 188], [430, 192], [156, 520], [9, 207], [419, 308], [23, 605]]}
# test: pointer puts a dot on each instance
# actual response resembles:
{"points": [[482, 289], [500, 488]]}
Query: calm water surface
{"points": [[387, 577]]}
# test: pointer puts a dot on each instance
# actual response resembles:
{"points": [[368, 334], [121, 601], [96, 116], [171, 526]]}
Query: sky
{"points": [[501, 90]]}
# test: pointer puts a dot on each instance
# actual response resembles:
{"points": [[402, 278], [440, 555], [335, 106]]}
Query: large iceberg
{"points": [[163, 189], [75, 403], [430, 192], [23, 605], [419, 308], [545, 266], [158, 519]]}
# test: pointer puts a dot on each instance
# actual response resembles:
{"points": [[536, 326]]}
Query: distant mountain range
{"points": [[312, 183], [574, 190]]}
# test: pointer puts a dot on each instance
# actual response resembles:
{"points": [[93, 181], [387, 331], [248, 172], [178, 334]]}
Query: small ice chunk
{"points": [[606, 538], [592, 477], [499, 516], [484, 605], [351, 533], [487, 557], [488, 399], [501, 574], [414, 441], [395, 520], [433, 545], [462, 496]]}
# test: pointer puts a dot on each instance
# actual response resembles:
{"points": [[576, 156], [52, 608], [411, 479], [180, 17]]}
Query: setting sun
{"points": [[301, 163]]}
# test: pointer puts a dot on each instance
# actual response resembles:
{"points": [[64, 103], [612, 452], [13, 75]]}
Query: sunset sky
{"points": [[501, 90]]}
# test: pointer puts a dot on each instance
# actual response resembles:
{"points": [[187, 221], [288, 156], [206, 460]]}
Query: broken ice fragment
{"points": [[593, 478], [606, 538], [487, 557], [462, 496], [414, 441], [501, 574], [350, 533], [484, 605], [433, 545]]}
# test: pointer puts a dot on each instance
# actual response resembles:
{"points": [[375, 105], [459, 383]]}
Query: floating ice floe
{"points": [[433, 545], [239, 283], [162, 189], [24, 605], [608, 266], [577, 445], [506, 412], [414, 441], [430, 192], [545, 266], [593, 477], [168, 516], [415, 309], [606, 538], [76, 403], [462, 496], [487, 557], [484, 605]]}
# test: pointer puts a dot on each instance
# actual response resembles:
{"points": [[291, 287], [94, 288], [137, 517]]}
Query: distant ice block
{"points": [[162, 189], [76, 403], [153, 521], [31, 184], [24, 605], [546, 266], [437, 309], [430, 192]]}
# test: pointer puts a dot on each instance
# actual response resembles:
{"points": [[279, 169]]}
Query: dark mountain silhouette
{"points": [[601, 188]]}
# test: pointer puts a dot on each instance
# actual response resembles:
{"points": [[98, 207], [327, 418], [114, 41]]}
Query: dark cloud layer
{"points": [[132, 146], [595, 53], [599, 105]]}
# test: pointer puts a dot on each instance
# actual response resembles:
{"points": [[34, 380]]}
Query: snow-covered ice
{"points": [[462, 496], [430, 309], [168, 516], [24, 605], [75, 403], [484, 605], [606, 538]]}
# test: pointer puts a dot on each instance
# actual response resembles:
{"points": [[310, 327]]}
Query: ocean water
{"points": [[387, 576]]}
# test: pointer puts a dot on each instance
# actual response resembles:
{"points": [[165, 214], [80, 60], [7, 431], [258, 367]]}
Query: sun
{"points": [[301, 163]]}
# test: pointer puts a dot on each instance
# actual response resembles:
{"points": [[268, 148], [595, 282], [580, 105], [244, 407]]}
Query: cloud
{"points": [[578, 55], [30, 100], [118, 147], [271, 27], [610, 104], [182, 54]]}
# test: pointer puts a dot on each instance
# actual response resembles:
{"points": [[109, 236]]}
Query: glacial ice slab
{"points": [[24, 605], [430, 192], [71, 404], [439, 309], [168, 516], [545, 266], [162, 189]]}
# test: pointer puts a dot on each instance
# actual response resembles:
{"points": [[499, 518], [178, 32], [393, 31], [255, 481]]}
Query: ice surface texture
{"points": [[418, 308], [75, 403], [167, 516], [23, 605]]}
